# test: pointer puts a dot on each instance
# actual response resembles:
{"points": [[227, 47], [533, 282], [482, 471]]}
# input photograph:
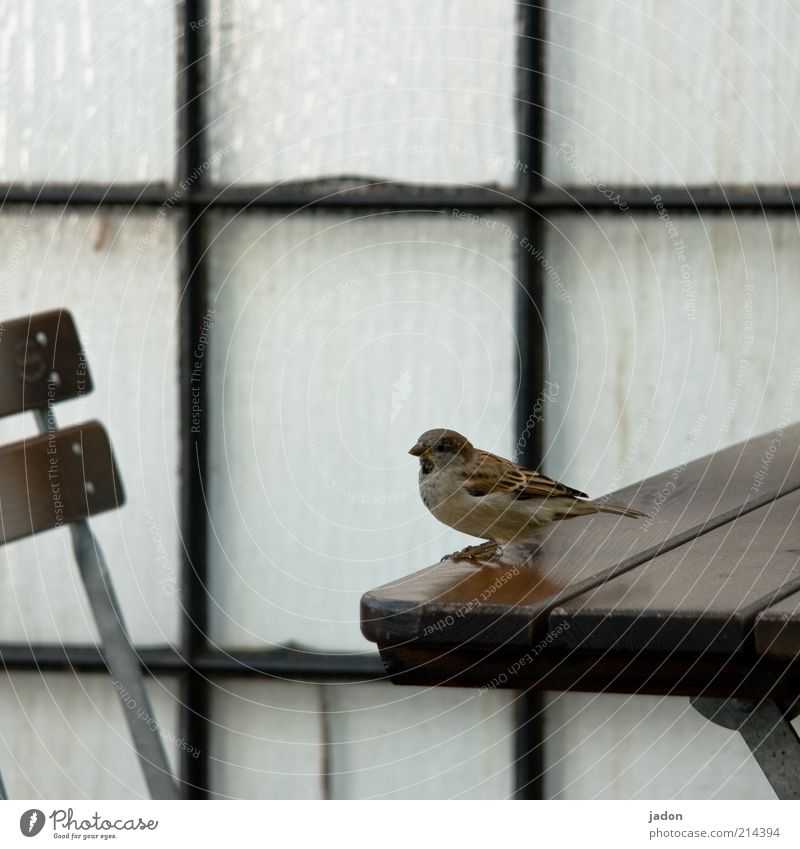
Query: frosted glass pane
{"points": [[411, 91], [268, 742], [644, 747], [674, 339], [336, 342], [408, 743], [690, 92], [64, 736], [116, 272], [673, 343], [87, 90]]}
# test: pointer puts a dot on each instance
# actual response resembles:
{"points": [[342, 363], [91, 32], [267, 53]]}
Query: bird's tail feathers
{"points": [[630, 512]]}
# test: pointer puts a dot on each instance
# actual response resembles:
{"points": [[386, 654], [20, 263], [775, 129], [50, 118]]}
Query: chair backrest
{"points": [[65, 476], [62, 475]]}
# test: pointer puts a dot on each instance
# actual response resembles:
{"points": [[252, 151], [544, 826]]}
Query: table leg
{"points": [[766, 728]]}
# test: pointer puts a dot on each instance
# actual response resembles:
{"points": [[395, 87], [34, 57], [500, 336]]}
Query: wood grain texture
{"points": [[41, 362], [454, 602], [56, 478], [701, 597]]}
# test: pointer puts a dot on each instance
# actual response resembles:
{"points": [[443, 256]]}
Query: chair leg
{"points": [[123, 664], [766, 728], [119, 655]]}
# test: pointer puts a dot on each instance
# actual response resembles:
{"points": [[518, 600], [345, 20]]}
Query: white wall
{"points": [[88, 91], [691, 92], [376, 740], [319, 88], [64, 736]]}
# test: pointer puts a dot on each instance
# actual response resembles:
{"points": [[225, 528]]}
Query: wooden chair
{"points": [[61, 478], [701, 599]]}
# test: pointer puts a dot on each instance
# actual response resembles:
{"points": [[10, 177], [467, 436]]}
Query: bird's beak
{"points": [[417, 450]]}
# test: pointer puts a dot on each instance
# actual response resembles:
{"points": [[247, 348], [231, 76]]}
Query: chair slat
{"points": [[56, 478], [41, 362]]}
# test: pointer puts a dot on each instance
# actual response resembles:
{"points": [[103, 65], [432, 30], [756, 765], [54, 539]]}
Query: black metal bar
{"points": [[118, 652], [63, 658], [295, 664], [85, 194], [356, 192], [326, 772], [369, 194], [335, 193], [195, 690], [529, 746], [530, 301], [529, 756], [686, 199]]}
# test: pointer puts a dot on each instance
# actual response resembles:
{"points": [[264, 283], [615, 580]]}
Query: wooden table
{"points": [[701, 599]]}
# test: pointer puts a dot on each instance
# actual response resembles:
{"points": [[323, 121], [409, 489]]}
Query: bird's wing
{"points": [[495, 474]]}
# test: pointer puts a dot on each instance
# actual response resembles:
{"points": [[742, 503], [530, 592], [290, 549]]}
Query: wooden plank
{"points": [[777, 631], [701, 597], [454, 602], [56, 478], [744, 675], [41, 362]]}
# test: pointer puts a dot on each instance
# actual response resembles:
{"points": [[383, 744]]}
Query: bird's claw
{"points": [[474, 552]]}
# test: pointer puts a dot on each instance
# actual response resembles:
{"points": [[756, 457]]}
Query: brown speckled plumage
{"points": [[492, 498]]}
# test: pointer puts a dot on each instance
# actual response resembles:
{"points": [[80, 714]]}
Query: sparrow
{"points": [[486, 496]]}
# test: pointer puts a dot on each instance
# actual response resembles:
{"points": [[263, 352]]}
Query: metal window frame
{"points": [[403, 197], [528, 201]]}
